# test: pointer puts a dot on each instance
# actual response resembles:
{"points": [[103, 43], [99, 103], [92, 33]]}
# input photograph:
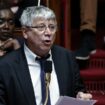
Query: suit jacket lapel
{"points": [[24, 79], [60, 71]]}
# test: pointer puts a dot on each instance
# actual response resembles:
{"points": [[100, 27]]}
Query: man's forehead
{"points": [[40, 20]]}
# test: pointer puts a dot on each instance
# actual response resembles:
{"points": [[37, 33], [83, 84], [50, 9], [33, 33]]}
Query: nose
{"points": [[47, 30], [6, 25]]}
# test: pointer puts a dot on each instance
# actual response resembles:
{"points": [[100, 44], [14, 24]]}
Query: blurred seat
{"points": [[94, 76]]}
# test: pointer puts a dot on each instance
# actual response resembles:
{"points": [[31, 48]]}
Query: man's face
{"points": [[6, 24], [41, 36]]}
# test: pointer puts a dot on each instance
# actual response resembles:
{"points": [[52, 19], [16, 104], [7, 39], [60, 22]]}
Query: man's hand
{"points": [[2, 52], [11, 43], [84, 96]]}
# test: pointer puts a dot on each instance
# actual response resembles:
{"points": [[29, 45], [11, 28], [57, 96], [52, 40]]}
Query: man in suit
{"points": [[7, 26], [20, 82]]}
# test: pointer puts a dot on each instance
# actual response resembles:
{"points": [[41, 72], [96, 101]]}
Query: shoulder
{"points": [[61, 53], [10, 57], [61, 50], [11, 62]]}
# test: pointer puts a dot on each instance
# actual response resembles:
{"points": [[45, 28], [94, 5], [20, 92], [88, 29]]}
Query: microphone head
{"points": [[48, 67]]}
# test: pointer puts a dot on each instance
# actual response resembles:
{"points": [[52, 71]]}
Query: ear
{"points": [[25, 32]]}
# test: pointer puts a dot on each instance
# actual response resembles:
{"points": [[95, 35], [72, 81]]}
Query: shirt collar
{"points": [[31, 56]]}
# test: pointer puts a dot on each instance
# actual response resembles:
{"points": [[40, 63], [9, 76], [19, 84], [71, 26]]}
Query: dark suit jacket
{"points": [[15, 82]]}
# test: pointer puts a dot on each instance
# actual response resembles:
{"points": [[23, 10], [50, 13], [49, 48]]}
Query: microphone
{"points": [[48, 70]]}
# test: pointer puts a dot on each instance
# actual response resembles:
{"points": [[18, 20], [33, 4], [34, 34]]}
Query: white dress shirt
{"points": [[34, 69]]}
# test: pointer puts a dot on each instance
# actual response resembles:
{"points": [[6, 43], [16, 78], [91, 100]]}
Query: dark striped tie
{"points": [[42, 75]]}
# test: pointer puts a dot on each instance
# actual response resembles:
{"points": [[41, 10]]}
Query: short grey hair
{"points": [[30, 13]]}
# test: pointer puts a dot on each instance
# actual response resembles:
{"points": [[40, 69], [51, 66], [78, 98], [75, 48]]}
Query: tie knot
{"points": [[43, 58], [45, 65]]}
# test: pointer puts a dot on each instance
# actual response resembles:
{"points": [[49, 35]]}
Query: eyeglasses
{"points": [[42, 28]]}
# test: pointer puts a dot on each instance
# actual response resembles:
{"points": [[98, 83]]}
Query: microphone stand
{"points": [[47, 81]]}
